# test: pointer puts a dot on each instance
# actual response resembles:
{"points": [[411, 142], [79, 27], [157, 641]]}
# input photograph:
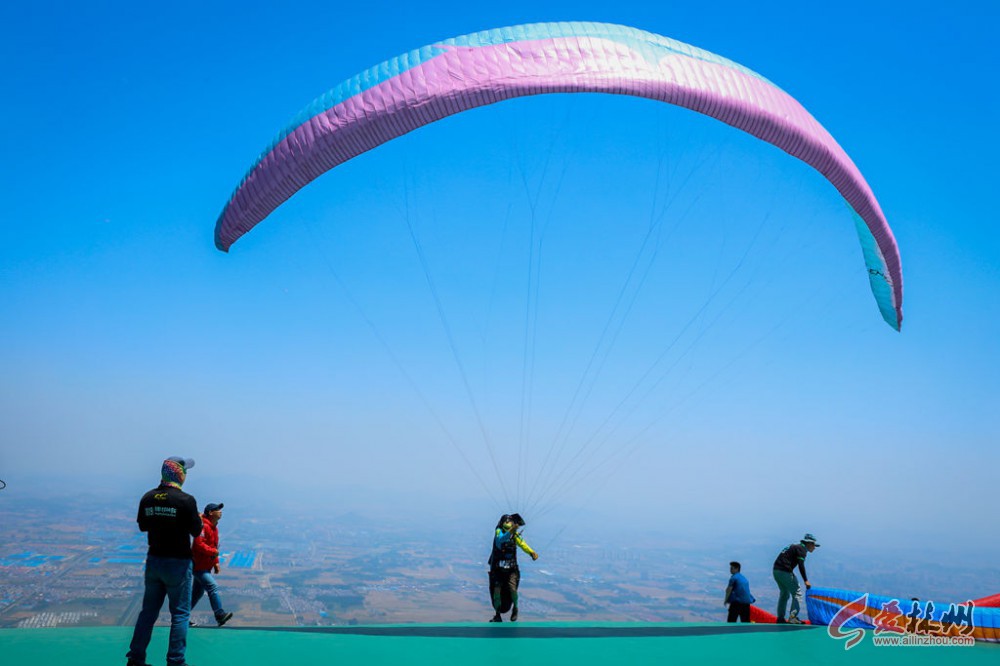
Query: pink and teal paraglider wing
{"points": [[457, 74]]}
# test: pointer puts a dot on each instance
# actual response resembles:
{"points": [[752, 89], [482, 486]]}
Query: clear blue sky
{"points": [[786, 404]]}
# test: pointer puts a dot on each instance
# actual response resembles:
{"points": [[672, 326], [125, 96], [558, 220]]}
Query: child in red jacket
{"points": [[205, 552]]}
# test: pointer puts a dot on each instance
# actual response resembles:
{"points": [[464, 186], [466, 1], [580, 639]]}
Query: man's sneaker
{"points": [[513, 614], [795, 620], [225, 617], [496, 618], [780, 620], [192, 623]]}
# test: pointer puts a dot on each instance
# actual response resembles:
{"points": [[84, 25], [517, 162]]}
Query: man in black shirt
{"points": [[169, 517], [790, 557]]}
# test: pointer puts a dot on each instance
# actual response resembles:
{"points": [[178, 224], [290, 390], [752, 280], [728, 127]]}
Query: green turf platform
{"points": [[525, 644]]}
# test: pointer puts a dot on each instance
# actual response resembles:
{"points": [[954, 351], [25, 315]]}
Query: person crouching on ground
{"points": [[504, 573], [206, 561], [790, 557], [738, 596]]}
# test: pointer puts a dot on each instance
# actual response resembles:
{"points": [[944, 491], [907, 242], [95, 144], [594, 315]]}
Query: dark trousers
{"points": [[503, 589], [738, 610]]}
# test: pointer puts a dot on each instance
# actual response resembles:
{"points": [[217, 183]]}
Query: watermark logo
{"points": [[890, 626], [847, 613]]}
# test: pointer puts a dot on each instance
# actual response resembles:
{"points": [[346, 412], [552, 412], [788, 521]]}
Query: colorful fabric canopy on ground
{"points": [[902, 615], [760, 616], [992, 601]]}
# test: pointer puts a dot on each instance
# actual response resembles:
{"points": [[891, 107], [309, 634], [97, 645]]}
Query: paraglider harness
{"points": [[504, 557]]}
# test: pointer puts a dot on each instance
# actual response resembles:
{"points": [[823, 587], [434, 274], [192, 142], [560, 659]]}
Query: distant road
{"points": [[126, 619]]}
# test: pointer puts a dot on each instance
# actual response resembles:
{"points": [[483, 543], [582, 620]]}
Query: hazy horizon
{"points": [[612, 315], [574, 551]]}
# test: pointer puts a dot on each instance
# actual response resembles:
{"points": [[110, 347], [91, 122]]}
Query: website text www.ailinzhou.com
{"points": [[919, 640]]}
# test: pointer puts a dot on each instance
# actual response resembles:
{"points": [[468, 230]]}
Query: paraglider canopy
{"points": [[454, 75]]}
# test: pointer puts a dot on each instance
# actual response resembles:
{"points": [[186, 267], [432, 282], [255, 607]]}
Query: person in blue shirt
{"points": [[738, 596]]}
